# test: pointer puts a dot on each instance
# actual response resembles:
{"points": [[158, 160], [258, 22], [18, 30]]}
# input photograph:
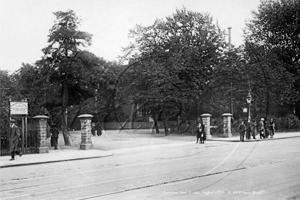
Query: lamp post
{"points": [[249, 98]]}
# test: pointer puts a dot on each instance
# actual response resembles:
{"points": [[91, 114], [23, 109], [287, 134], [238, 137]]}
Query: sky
{"points": [[25, 24]]}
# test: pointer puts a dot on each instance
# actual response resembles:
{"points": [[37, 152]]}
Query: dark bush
{"points": [[288, 122]]}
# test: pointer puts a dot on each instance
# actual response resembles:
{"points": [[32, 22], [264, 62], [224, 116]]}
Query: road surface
{"points": [[179, 170]]}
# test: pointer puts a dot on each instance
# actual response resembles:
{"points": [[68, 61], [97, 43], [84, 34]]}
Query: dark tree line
{"points": [[178, 68]]}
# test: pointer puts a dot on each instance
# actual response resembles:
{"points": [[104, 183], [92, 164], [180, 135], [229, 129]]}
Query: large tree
{"points": [[6, 91], [276, 26], [27, 80], [65, 62], [271, 83], [175, 59]]}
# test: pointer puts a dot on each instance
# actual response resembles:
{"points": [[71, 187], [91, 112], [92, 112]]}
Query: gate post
{"points": [[86, 127], [40, 127], [206, 123], [227, 124]]}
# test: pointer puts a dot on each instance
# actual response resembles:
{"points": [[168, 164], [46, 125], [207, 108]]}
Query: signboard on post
{"points": [[19, 108]]}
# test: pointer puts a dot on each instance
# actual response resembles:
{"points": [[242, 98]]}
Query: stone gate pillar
{"points": [[227, 124], [41, 128], [86, 131], [206, 123]]}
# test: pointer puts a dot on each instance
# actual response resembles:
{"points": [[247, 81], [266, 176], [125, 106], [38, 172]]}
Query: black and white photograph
{"points": [[149, 99]]}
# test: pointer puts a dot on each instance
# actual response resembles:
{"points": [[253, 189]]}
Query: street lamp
{"points": [[249, 98]]}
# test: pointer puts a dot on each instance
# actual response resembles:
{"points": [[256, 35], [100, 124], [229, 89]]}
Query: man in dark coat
{"points": [[99, 129], [242, 130], [54, 136], [14, 135]]}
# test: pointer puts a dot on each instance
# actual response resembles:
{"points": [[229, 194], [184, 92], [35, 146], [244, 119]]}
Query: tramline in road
{"points": [[165, 171]]}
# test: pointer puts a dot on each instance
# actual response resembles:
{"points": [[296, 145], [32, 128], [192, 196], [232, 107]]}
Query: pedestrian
{"points": [[267, 133], [93, 129], [99, 129], [248, 130], [242, 130], [253, 129], [272, 128], [14, 136], [201, 133], [54, 136], [261, 129]]}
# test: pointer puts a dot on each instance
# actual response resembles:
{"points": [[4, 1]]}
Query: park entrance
{"points": [[28, 140]]}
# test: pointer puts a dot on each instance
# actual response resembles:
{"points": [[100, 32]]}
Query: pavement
{"points": [[277, 136], [68, 153]]}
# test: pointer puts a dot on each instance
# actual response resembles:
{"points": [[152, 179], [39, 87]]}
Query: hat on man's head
{"points": [[12, 121], [262, 119]]}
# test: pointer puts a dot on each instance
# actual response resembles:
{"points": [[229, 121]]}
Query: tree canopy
{"points": [[275, 28], [175, 59]]}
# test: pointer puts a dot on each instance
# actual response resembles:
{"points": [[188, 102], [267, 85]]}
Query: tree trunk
{"points": [[179, 123], [267, 104], [155, 123], [165, 126], [132, 113], [74, 118], [64, 127], [297, 109], [172, 125], [267, 95], [165, 121]]}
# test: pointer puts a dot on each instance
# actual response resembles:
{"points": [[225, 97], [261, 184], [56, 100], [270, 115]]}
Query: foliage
{"points": [[5, 94], [230, 80], [65, 64], [270, 82], [173, 61], [276, 26], [288, 122]]}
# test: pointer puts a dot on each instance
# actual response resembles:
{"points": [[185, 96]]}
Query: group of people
{"points": [[201, 135], [263, 128], [96, 129], [15, 136]]}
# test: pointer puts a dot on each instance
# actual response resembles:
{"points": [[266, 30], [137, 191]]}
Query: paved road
{"points": [[177, 170]]}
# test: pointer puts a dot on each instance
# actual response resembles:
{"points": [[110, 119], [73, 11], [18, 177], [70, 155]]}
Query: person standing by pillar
{"points": [[99, 129], [242, 130], [14, 135], [54, 136], [93, 129]]}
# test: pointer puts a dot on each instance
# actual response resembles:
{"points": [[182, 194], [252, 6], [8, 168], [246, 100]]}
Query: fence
{"points": [[27, 142], [129, 125]]}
